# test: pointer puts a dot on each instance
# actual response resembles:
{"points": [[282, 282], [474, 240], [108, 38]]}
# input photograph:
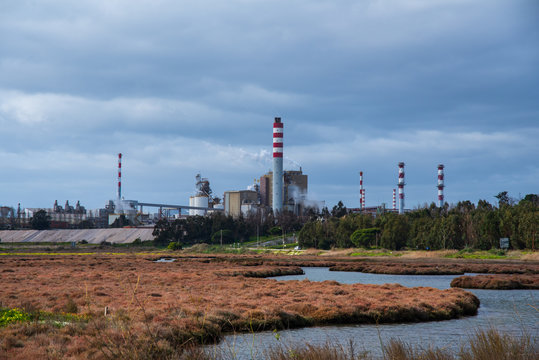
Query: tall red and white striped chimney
{"points": [[394, 199], [119, 176], [401, 188], [277, 165], [361, 192], [441, 185]]}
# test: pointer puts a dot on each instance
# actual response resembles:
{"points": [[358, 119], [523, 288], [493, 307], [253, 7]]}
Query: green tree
{"points": [[40, 220], [453, 232], [529, 229], [532, 199], [346, 226], [420, 232], [226, 235], [489, 234], [395, 232], [503, 198], [365, 237], [339, 210], [166, 231]]}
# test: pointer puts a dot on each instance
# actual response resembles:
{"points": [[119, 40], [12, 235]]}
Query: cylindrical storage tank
{"points": [[200, 201], [191, 203]]}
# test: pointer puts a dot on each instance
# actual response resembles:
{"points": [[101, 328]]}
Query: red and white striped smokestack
{"points": [[441, 185], [277, 165], [394, 199], [361, 192], [120, 176], [401, 188]]}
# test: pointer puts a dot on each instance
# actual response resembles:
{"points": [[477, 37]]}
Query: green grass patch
{"points": [[376, 253], [281, 246], [9, 316], [476, 256], [253, 239], [491, 254]]}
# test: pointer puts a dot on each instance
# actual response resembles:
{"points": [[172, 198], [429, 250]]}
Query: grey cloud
{"points": [[193, 86]]}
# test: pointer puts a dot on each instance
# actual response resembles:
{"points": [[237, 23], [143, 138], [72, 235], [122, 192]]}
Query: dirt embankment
{"points": [[498, 282]]}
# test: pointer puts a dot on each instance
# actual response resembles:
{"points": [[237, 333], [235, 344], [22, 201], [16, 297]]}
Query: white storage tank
{"points": [[198, 201]]}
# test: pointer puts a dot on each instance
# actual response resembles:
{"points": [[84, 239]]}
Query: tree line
{"points": [[217, 228], [465, 225]]}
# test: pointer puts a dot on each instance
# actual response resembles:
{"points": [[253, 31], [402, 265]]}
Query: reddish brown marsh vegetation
{"points": [[165, 305], [440, 267], [500, 282]]}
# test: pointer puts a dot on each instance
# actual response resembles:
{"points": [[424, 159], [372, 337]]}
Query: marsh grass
{"points": [[483, 345], [168, 314], [326, 351], [501, 282]]}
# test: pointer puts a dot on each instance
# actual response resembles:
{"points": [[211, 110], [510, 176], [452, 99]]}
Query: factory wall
{"points": [[266, 189], [235, 199], [295, 188]]}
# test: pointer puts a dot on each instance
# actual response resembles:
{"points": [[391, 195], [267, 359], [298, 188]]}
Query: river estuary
{"points": [[511, 311]]}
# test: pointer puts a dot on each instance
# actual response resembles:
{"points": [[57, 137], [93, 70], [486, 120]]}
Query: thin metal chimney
{"points": [[394, 199]]}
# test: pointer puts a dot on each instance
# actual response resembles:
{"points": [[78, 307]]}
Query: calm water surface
{"points": [[511, 311]]}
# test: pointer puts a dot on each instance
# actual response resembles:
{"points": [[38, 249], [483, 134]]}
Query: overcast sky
{"points": [[181, 87]]}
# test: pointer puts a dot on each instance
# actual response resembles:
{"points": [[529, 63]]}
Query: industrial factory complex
{"points": [[275, 191]]}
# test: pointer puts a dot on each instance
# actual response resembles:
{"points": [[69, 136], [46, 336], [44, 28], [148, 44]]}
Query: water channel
{"points": [[510, 311]]}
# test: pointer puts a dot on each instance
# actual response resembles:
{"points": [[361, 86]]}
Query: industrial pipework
{"points": [[277, 165], [401, 188], [119, 176], [441, 185]]}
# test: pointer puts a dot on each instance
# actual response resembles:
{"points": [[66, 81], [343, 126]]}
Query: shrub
{"points": [[71, 307], [8, 316], [276, 230], [175, 246]]}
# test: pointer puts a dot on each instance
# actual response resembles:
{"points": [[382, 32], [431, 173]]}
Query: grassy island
{"points": [[498, 282]]}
